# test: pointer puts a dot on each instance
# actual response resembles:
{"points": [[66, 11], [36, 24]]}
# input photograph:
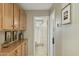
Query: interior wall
{"points": [[67, 40], [70, 33], [29, 33]]}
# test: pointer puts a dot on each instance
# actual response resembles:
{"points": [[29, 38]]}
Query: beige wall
{"points": [[67, 38], [70, 33], [29, 34]]}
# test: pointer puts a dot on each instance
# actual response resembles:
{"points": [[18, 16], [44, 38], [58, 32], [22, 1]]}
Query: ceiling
{"points": [[36, 6]]}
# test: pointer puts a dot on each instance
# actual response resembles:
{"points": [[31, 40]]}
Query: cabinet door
{"points": [[13, 54], [25, 49], [22, 20], [16, 17], [8, 16], [19, 53], [24, 17], [1, 14], [26, 45]]}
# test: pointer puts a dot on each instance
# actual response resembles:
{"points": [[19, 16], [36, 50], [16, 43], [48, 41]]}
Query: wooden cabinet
{"points": [[16, 17], [19, 51], [24, 49], [12, 54], [1, 14], [12, 17], [22, 20], [18, 48], [8, 16], [24, 17], [16, 52], [19, 18]]}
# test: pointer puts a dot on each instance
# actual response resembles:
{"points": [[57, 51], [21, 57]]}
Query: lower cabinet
{"points": [[24, 51], [20, 51], [14, 53], [17, 52], [18, 48]]}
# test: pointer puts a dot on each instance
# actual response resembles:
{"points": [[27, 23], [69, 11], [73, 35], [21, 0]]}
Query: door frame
{"points": [[51, 46]]}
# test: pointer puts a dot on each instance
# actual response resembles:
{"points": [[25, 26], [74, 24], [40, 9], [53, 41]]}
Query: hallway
{"points": [[39, 29], [66, 36]]}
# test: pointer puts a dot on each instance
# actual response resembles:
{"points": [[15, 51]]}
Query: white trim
{"points": [[51, 33], [34, 38], [48, 37]]}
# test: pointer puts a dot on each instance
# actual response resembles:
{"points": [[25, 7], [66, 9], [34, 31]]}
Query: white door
{"points": [[51, 34], [40, 36]]}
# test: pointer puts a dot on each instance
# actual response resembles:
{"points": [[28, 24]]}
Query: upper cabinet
{"points": [[16, 17], [12, 17], [1, 14], [25, 22], [22, 20], [8, 16]]}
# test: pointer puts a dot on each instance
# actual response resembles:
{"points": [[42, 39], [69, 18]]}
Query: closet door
{"points": [[16, 17], [8, 16], [1, 15]]}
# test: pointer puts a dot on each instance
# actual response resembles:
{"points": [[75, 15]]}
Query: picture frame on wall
{"points": [[66, 14]]}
